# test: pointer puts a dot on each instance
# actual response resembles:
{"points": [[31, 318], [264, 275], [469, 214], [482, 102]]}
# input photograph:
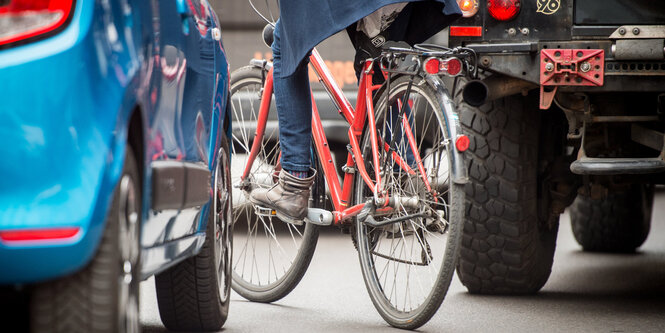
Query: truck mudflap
{"points": [[569, 67]]}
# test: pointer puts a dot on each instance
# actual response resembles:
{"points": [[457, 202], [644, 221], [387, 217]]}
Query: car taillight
{"points": [[450, 66], [21, 20], [468, 7], [39, 235], [504, 10]]}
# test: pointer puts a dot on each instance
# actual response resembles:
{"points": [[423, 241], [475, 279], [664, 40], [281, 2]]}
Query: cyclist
{"points": [[304, 24]]}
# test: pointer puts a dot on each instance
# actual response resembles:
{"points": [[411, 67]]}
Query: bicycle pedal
{"points": [[319, 216], [264, 211]]}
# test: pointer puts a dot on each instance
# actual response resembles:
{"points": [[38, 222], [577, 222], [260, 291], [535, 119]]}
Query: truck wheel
{"points": [[194, 295], [104, 296], [619, 223], [506, 248]]}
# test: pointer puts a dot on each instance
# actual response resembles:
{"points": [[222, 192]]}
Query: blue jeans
{"points": [[294, 111]]}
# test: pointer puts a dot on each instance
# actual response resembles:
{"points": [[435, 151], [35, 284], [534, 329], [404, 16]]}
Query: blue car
{"points": [[114, 137]]}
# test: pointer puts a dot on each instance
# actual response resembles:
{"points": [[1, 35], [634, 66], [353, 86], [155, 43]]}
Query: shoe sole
{"points": [[284, 218]]}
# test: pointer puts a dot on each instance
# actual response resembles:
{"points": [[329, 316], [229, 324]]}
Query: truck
{"points": [[568, 111]]}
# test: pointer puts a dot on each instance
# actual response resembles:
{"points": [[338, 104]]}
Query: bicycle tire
{"points": [[372, 259], [256, 286]]}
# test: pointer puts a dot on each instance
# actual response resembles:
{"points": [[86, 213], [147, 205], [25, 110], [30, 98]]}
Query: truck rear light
{"points": [[450, 66], [466, 31], [468, 7], [504, 10], [22, 20], [39, 235]]}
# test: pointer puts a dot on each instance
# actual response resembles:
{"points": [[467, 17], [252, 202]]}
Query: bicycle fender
{"points": [[458, 170]]}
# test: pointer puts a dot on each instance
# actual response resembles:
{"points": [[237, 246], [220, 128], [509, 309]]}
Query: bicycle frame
{"points": [[341, 194]]}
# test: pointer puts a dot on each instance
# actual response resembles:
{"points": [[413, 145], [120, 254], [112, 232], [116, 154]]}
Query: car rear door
{"points": [[181, 92]]}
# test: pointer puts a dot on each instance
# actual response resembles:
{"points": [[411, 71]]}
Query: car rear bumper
{"points": [[62, 152], [522, 61]]}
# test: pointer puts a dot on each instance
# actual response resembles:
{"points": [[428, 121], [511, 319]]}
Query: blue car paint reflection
{"points": [[68, 102]]}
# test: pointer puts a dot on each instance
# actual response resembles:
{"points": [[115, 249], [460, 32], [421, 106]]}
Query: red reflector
{"points": [[30, 18], [466, 31], [462, 143], [432, 66], [504, 10], [453, 66], [27, 235]]}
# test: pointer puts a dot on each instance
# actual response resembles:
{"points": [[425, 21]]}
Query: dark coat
{"points": [[306, 23]]}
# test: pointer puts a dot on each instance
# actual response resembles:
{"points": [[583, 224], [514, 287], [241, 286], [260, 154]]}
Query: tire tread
{"points": [[503, 250], [618, 223]]}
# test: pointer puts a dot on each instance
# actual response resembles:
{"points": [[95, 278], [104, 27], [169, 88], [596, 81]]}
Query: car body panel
{"points": [[67, 104]]}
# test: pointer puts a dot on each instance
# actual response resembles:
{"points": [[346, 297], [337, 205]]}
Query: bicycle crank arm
{"points": [[369, 220]]}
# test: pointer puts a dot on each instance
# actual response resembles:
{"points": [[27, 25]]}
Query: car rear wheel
{"points": [[104, 296], [194, 295]]}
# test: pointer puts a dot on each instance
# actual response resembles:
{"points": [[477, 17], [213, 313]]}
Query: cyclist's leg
{"points": [[294, 110], [289, 197]]}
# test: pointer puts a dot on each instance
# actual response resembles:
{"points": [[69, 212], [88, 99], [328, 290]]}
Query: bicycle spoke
{"points": [[268, 254], [408, 256]]}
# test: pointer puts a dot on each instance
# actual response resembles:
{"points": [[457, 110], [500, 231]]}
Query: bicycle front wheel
{"points": [[408, 265], [270, 257]]}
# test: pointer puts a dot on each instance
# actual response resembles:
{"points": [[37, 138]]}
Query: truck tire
{"points": [[619, 223], [506, 248]]}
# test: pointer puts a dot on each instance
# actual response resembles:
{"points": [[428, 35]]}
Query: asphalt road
{"points": [[585, 293]]}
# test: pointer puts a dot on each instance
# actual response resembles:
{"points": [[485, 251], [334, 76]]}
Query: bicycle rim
{"points": [[408, 266], [269, 256]]}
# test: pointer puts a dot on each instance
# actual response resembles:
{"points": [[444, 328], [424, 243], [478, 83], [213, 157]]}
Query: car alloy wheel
{"points": [[129, 215], [222, 213]]}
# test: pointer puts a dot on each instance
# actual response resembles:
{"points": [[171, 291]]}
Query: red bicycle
{"points": [[402, 192]]}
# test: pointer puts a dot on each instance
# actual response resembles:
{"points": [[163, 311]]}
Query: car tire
{"points": [[194, 295], [104, 296], [506, 247], [619, 223]]}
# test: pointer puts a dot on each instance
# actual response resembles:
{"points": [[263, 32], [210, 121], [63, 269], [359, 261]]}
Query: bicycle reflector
{"points": [[23, 20], [504, 10], [468, 7], [432, 66], [450, 66], [462, 143]]}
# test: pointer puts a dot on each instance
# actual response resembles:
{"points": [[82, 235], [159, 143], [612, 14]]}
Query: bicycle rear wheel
{"points": [[408, 265], [270, 257]]}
